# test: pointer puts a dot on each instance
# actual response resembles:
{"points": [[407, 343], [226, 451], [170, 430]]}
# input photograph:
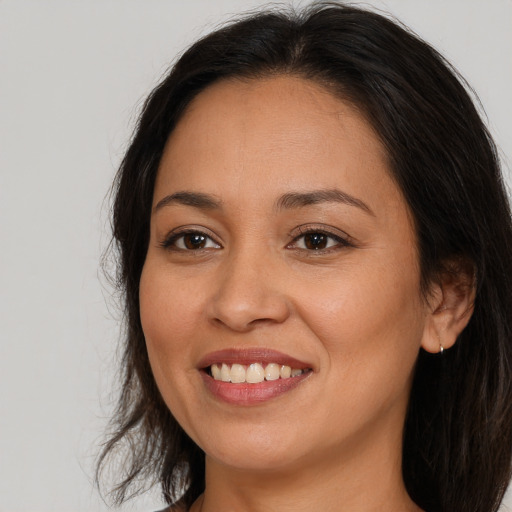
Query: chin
{"points": [[251, 461], [256, 449]]}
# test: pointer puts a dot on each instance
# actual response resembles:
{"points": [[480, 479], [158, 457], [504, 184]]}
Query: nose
{"points": [[248, 293]]}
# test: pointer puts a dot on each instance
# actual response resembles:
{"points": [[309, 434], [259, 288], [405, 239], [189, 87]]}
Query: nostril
{"points": [[245, 299], [243, 319]]}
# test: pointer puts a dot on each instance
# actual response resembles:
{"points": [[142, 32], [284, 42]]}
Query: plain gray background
{"points": [[72, 76]]}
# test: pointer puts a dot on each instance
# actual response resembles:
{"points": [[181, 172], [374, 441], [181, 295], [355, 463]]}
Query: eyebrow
{"points": [[287, 201], [194, 199], [301, 199]]}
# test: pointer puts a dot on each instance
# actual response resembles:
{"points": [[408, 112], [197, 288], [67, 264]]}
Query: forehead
{"points": [[237, 136]]}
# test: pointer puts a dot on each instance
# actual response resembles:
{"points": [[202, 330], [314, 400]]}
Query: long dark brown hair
{"points": [[458, 430]]}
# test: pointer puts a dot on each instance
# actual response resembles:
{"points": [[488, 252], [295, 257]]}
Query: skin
{"points": [[353, 312]]}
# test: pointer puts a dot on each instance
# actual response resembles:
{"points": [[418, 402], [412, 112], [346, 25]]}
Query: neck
{"points": [[365, 479]]}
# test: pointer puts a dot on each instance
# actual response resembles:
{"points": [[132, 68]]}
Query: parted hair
{"points": [[457, 440]]}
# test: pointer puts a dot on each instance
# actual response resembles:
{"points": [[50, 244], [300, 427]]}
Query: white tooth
{"points": [[285, 372], [237, 373], [272, 371], [224, 373], [296, 372], [215, 371], [255, 373]]}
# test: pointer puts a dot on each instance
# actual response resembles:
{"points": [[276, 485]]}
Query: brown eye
{"points": [[190, 241], [315, 241], [194, 241]]}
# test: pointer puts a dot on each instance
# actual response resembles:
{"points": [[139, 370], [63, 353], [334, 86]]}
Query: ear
{"points": [[450, 306]]}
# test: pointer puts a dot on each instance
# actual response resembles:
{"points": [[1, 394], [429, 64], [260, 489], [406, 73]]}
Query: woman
{"points": [[314, 246]]}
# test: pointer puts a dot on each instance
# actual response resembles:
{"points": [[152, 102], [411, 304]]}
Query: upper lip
{"points": [[248, 356]]}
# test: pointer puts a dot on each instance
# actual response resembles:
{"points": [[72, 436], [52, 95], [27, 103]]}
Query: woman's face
{"points": [[279, 239]]}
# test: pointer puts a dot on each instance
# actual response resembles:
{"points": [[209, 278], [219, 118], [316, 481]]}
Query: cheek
{"points": [[168, 309], [168, 318], [369, 319]]}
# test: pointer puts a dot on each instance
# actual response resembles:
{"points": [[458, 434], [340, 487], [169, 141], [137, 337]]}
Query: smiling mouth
{"points": [[253, 373]]}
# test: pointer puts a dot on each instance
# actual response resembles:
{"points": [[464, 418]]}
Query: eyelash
{"points": [[341, 241], [170, 241]]}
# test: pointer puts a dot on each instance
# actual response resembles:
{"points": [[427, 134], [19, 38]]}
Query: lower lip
{"points": [[251, 394]]}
